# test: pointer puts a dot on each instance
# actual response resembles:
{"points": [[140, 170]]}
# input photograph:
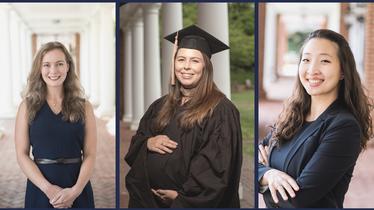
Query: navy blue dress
{"points": [[51, 137]]}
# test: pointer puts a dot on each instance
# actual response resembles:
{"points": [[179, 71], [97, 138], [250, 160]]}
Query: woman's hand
{"points": [[51, 191], [281, 182], [166, 196], [263, 154], [65, 198], [161, 144]]}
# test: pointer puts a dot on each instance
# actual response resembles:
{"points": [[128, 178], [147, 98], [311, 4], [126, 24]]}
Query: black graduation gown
{"points": [[204, 168]]}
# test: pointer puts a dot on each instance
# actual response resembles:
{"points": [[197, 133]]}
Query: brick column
{"points": [[261, 41], [344, 10]]}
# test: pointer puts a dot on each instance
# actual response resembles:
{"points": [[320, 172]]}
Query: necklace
{"points": [[54, 106]]}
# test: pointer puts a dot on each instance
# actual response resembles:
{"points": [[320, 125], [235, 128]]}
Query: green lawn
{"points": [[244, 101]]}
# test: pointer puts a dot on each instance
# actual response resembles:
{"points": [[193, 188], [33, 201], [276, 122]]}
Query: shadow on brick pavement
{"points": [[247, 176], [13, 181]]}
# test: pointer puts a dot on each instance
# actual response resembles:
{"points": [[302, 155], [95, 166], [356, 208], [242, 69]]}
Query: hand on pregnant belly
{"points": [[161, 144], [167, 196]]}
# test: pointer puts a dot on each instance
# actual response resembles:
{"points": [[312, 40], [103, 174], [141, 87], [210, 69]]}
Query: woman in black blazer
{"points": [[307, 160]]}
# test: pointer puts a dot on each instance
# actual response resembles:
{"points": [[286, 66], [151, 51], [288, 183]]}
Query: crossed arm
{"points": [[336, 154]]}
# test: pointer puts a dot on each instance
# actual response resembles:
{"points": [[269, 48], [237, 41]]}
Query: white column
{"points": [[16, 58], [94, 50], [152, 74], [138, 69], [23, 33], [28, 50], [7, 110], [85, 61], [172, 21], [213, 17], [107, 62], [127, 99]]}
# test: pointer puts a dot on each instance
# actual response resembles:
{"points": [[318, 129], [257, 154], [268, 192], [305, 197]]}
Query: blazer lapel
{"points": [[309, 131]]}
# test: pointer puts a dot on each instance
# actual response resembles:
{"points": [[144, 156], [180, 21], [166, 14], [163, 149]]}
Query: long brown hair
{"points": [[201, 105], [351, 93], [73, 103]]}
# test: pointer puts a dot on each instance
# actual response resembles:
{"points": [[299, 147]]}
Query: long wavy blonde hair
{"points": [[73, 103]]}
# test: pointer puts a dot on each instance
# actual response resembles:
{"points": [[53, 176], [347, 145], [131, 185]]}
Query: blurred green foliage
{"points": [[241, 38]]}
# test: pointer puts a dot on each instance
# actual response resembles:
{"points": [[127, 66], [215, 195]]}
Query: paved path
{"points": [[247, 176], [361, 189], [13, 182]]}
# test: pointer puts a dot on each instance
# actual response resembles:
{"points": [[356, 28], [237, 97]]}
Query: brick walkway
{"points": [[361, 191], [13, 182], [246, 177]]}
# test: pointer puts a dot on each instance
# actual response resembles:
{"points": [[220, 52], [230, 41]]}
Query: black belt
{"points": [[58, 161]]}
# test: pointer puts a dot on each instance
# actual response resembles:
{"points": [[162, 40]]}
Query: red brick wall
{"points": [[261, 41], [344, 9]]}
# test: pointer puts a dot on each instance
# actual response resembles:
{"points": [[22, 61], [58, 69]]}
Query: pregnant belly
{"points": [[166, 171]]}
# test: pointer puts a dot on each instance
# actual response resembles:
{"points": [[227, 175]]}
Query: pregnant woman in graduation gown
{"points": [[187, 151], [308, 159], [58, 124]]}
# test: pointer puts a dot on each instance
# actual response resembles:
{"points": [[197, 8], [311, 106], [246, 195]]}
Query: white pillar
{"points": [[85, 61], [152, 74], [23, 33], [213, 17], [138, 69], [127, 99], [28, 50], [94, 50], [107, 62], [15, 58], [7, 110], [172, 21]]}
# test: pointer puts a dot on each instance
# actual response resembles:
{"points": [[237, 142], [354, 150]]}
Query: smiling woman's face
{"points": [[189, 65], [319, 69], [54, 68]]}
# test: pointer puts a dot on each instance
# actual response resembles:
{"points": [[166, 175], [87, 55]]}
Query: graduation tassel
{"points": [[172, 60]]}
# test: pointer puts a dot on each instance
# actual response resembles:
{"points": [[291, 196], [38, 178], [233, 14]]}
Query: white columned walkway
{"points": [[28, 51], [107, 62], [152, 77], [16, 59], [213, 17], [24, 49], [138, 69], [172, 21], [85, 74], [94, 59], [127, 98], [7, 110]]}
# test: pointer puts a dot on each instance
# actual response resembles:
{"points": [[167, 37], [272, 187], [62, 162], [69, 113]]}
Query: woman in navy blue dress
{"points": [[308, 159], [58, 124]]}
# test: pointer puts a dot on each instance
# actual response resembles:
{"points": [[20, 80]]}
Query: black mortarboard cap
{"points": [[193, 37]]}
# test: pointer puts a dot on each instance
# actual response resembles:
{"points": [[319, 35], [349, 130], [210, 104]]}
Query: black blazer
{"points": [[321, 161]]}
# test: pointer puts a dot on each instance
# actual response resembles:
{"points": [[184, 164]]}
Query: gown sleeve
{"points": [[214, 171], [143, 133], [337, 153]]}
